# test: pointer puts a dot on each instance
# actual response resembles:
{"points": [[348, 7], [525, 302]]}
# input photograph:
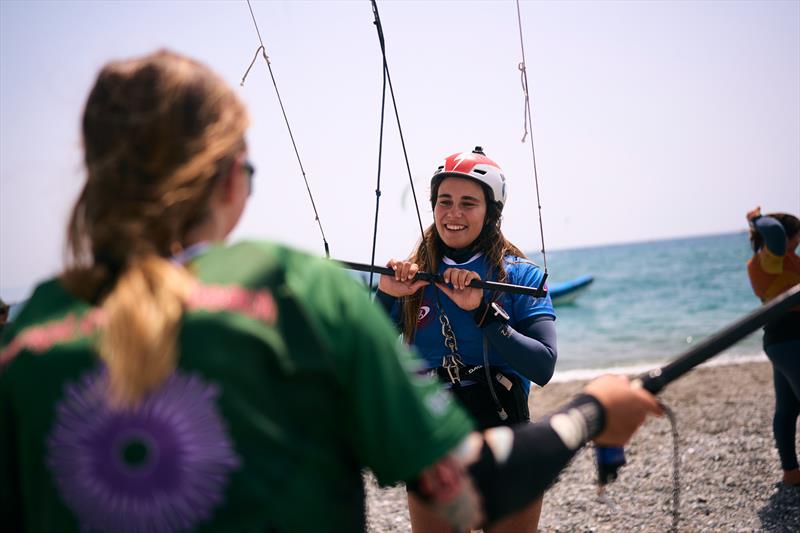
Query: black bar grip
{"points": [[436, 278]]}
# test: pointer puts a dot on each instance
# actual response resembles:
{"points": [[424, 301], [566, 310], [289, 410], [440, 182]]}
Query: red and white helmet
{"points": [[474, 165]]}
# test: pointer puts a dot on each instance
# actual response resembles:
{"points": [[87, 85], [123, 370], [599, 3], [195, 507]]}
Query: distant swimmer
{"points": [[774, 268]]}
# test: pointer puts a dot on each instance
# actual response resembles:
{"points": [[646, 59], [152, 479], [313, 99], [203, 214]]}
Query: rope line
{"points": [[388, 76], [263, 51], [676, 463], [524, 82], [378, 186], [528, 120]]}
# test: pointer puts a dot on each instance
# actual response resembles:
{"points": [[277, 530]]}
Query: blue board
{"points": [[567, 291]]}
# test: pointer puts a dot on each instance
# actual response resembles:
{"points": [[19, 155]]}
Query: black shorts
{"points": [[477, 400]]}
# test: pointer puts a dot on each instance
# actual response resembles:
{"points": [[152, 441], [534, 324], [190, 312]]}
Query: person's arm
{"points": [[387, 301], [530, 347], [510, 467], [773, 233], [530, 344]]}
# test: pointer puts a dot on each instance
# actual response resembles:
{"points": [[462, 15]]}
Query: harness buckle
{"points": [[450, 364]]}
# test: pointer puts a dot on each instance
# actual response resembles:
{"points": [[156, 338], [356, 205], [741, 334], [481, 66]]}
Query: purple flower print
{"points": [[162, 466]]}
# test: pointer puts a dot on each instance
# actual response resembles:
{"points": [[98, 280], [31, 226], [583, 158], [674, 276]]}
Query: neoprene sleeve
{"points": [[539, 453], [386, 300], [530, 348]]}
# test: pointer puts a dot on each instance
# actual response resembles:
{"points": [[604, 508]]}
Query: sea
{"points": [[650, 302]]}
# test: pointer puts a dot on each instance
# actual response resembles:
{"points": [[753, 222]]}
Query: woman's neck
{"points": [[208, 230], [460, 255]]}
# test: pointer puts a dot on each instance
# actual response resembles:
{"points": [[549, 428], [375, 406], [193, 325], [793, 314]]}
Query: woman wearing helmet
{"points": [[486, 347]]}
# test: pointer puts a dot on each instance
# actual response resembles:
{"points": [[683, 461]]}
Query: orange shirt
{"points": [[771, 274]]}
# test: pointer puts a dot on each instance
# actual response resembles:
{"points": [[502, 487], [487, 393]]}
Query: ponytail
{"points": [[158, 132], [142, 319]]}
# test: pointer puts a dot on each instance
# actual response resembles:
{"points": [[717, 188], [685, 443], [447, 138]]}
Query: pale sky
{"points": [[651, 119]]}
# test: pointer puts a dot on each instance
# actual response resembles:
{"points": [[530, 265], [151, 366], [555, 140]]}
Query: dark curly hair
{"points": [[790, 223]]}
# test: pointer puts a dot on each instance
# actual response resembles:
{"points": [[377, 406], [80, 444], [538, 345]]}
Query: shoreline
{"points": [[585, 374], [729, 469]]}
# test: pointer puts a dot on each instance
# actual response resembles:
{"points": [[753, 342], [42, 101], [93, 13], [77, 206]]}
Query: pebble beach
{"points": [[729, 475]]}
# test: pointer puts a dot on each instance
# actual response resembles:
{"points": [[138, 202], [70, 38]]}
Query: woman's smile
{"points": [[454, 227]]}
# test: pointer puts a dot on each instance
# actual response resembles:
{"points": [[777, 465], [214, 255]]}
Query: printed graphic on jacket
{"points": [[162, 466]]}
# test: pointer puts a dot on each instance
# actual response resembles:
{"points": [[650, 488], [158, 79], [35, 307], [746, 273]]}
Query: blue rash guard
{"points": [[529, 341]]}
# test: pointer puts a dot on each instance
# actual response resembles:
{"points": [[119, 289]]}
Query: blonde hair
{"points": [[158, 133], [429, 252]]}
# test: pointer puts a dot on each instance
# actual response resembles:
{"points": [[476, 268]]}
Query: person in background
{"points": [[486, 347], [166, 381], [774, 268]]}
